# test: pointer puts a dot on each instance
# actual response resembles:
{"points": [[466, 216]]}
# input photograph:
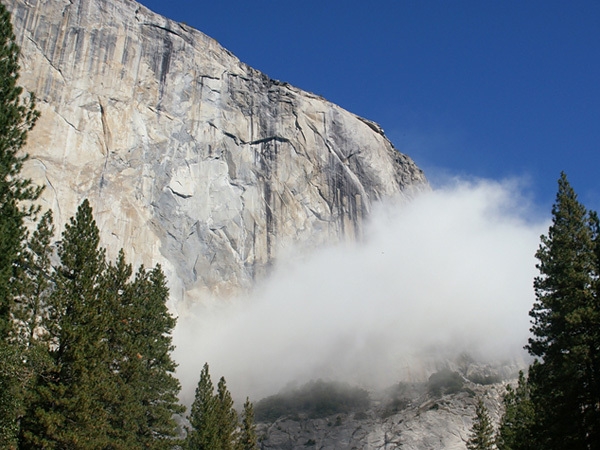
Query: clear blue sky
{"points": [[489, 89]]}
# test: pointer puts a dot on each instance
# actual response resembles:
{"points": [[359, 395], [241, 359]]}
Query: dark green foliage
{"points": [[10, 375], [227, 419], [564, 380], [214, 421], [247, 437], [518, 418], [109, 383], [17, 117], [68, 410], [315, 400], [204, 434], [445, 382], [84, 351], [34, 275], [482, 431], [156, 388], [24, 354], [139, 336]]}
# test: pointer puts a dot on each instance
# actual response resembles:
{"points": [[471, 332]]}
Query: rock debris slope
{"points": [[190, 157]]}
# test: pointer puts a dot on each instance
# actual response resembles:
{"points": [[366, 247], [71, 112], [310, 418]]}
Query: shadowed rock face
{"points": [[189, 157]]}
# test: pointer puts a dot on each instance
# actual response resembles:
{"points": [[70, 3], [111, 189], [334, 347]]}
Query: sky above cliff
{"points": [[474, 89]]}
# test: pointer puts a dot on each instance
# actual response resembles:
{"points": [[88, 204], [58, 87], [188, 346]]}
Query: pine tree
{"points": [[204, 434], [123, 407], [111, 383], [247, 438], [147, 369], [10, 373], [213, 419], [227, 419], [518, 418], [27, 339], [564, 378], [139, 337], [67, 407], [591, 322], [482, 432], [34, 284], [17, 117]]}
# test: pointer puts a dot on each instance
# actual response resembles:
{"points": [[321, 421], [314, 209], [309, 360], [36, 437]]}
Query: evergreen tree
{"points": [[214, 421], [227, 419], [34, 285], [247, 438], [139, 337], [160, 385], [482, 432], [591, 358], [124, 410], [67, 408], [204, 434], [10, 393], [564, 378], [17, 117], [147, 369], [111, 383], [27, 339], [518, 418]]}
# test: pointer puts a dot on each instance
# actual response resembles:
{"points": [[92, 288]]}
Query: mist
{"points": [[450, 271]]}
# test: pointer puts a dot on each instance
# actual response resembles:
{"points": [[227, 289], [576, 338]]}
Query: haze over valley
{"points": [[449, 271]]}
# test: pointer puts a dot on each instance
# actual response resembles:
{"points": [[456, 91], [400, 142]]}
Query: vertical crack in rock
{"points": [[106, 141], [268, 165]]}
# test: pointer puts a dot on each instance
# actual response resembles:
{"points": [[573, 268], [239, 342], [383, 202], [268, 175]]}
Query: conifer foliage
{"points": [[227, 418], [214, 421], [248, 439], [204, 433], [17, 117], [482, 431], [85, 345], [110, 380], [565, 377], [71, 393], [514, 432]]}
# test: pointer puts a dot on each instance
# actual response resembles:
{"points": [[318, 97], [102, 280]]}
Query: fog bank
{"points": [[447, 272]]}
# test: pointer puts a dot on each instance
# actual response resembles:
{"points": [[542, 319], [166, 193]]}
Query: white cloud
{"points": [[451, 270]]}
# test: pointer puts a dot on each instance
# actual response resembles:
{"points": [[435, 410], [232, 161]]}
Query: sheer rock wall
{"points": [[189, 157]]}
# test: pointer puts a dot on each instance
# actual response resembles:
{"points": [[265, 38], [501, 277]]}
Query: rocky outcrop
{"points": [[416, 421], [189, 157]]}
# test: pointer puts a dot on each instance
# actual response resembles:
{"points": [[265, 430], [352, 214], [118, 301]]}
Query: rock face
{"points": [[189, 157], [420, 422]]}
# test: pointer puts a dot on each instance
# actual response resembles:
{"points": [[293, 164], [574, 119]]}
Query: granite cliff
{"points": [[190, 157], [196, 161]]}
